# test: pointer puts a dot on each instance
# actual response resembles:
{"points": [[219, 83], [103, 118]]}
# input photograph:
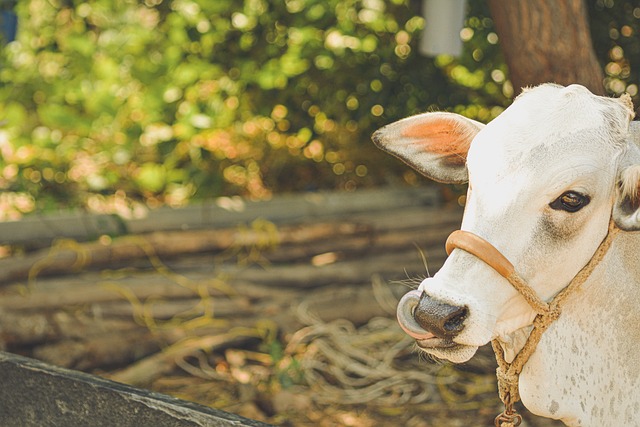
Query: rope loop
{"points": [[508, 374], [509, 417]]}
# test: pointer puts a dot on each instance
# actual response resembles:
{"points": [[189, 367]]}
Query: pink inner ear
{"points": [[445, 138]]}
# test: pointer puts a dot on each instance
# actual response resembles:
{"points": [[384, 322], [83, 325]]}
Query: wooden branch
{"points": [[71, 256], [82, 342], [224, 212], [68, 256], [101, 351], [394, 266], [150, 368], [298, 273], [28, 328]]}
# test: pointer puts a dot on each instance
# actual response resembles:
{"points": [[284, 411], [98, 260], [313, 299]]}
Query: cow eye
{"points": [[570, 201]]}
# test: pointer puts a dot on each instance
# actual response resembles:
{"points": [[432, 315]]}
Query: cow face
{"points": [[544, 178]]}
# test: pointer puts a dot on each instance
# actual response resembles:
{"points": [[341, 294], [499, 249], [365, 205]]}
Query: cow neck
{"points": [[508, 374]]}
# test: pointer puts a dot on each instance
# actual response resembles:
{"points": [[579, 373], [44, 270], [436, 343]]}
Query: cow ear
{"points": [[626, 210], [435, 144]]}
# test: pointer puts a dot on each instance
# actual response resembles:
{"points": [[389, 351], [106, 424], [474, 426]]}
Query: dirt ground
{"points": [[462, 396]]}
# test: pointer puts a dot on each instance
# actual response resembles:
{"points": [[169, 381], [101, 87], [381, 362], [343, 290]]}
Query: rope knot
{"points": [[507, 384], [543, 321], [554, 312]]}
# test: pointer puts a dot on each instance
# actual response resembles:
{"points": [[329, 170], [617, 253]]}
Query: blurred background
{"points": [[108, 104], [217, 149]]}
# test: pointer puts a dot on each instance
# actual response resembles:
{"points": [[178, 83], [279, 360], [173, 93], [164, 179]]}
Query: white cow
{"points": [[545, 179]]}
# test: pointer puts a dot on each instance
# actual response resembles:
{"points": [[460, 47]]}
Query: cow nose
{"points": [[441, 319]]}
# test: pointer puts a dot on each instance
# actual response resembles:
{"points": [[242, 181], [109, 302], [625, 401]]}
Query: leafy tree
{"points": [[113, 104], [615, 27]]}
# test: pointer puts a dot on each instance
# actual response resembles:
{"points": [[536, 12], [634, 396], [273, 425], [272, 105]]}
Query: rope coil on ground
{"points": [[374, 364]]}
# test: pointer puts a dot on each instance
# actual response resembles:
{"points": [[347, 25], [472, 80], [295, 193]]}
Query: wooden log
{"points": [[80, 341], [395, 266], [71, 256], [349, 247], [68, 256], [146, 370], [372, 254], [355, 303], [68, 293], [103, 351], [39, 230], [321, 270], [95, 292], [245, 283], [163, 309], [391, 232], [28, 328], [25, 328]]}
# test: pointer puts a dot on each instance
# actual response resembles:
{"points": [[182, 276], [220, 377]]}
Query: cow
{"points": [[549, 180]]}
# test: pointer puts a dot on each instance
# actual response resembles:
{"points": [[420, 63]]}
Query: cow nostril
{"points": [[455, 321], [441, 319]]}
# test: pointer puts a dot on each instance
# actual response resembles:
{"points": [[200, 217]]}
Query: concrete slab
{"points": [[33, 393]]}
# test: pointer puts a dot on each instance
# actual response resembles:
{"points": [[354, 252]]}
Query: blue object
{"points": [[8, 25]]}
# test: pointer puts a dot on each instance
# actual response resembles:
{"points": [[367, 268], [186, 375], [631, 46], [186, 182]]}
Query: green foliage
{"points": [[109, 103], [615, 26]]}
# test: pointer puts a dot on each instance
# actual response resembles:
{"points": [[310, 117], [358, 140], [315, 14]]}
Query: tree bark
{"points": [[547, 41]]}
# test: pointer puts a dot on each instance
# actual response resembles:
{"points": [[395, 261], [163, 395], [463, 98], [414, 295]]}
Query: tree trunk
{"points": [[547, 41]]}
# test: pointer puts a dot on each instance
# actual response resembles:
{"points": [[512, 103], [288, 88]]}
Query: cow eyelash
{"points": [[570, 201]]}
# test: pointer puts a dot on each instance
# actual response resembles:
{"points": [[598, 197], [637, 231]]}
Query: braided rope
{"points": [[508, 374]]}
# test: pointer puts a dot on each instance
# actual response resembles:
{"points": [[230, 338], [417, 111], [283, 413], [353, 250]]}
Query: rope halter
{"points": [[508, 374]]}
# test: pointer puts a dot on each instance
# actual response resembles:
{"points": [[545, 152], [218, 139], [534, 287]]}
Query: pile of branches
{"points": [[282, 318]]}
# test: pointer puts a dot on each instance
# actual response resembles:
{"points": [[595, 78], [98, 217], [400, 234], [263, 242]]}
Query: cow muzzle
{"points": [[423, 318], [436, 323]]}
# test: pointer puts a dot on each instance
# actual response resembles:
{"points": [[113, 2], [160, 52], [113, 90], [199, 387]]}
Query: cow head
{"points": [[544, 179]]}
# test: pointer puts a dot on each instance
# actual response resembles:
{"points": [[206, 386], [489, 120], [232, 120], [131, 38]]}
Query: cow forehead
{"points": [[552, 107], [546, 130], [547, 155]]}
